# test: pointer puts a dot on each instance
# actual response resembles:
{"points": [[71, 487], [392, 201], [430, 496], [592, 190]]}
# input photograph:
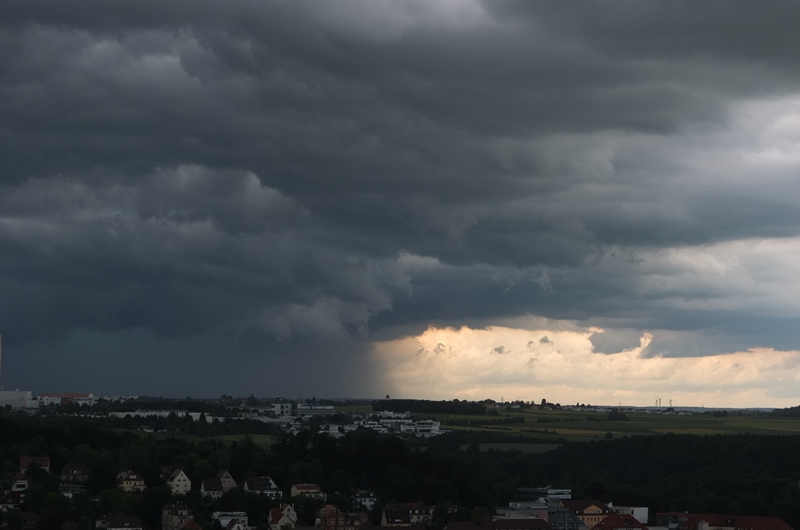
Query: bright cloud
{"points": [[548, 361]]}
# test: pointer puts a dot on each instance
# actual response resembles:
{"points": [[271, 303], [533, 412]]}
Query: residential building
{"points": [[62, 398], [131, 481], [235, 524], [173, 514], [640, 513], [363, 499], [75, 473], [331, 518], [8, 502], [226, 479], [211, 489], [562, 519], [732, 522], [21, 482], [179, 483], [225, 518], [282, 409], [283, 517], [524, 510], [42, 461], [315, 410], [312, 491], [406, 514], [68, 490], [617, 521], [550, 494], [263, 486], [589, 512], [189, 524]]}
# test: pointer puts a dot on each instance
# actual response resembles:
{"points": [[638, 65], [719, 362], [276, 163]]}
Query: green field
{"points": [[575, 426], [548, 428], [259, 439]]}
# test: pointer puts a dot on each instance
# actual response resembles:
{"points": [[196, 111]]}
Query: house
{"points": [[225, 518], [75, 473], [8, 502], [406, 514], [619, 521], [131, 481], [283, 517], [21, 482], [640, 513], [173, 514], [282, 410], [226, 479], [190, 524], [312, 491], [589, 512], [562, 519], [521, 524], [68, 490], [363, 499], [732, 522], [331, 518], [235, 524], [42, 461], [263, 486], [62, 398], [119, 522], [179, 483], [212, 489]]}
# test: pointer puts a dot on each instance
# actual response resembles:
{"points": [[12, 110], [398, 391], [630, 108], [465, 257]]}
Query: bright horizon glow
{"points": [[559, 365]]}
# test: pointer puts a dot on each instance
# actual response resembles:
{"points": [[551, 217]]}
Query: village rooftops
{"points": [[617, 521], [732, 522], [42, 461]]}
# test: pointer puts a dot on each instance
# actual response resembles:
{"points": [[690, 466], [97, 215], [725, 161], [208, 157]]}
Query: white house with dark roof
{"points": [[179, 483], [263, 486], [226, 479], [211, 489]]}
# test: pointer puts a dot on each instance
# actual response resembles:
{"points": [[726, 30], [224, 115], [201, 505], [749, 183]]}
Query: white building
{"points": [[179, 483], [282, 409], [640, 513], [225, 518]]}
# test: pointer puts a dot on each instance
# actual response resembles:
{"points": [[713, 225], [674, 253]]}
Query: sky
{"points": [[459, 199]]}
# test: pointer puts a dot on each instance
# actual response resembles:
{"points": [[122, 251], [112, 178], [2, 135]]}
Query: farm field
{"points": [[258, 439], [576, 426]]}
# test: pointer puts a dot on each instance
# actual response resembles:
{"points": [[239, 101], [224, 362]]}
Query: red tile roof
{"points": [[739, 522], [617, 521]]}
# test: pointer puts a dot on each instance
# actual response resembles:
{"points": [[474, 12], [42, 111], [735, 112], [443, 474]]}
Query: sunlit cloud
{"points": [[560, 366]]}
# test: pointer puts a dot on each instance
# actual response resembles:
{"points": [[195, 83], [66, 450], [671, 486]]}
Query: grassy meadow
{"points": [[577, 427]]}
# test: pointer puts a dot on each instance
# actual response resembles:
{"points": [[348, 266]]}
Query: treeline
{"points": [[423, 406], [791, 412]]}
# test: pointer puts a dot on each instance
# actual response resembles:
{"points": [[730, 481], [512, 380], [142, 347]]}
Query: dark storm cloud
{"points": [[310, 171]]}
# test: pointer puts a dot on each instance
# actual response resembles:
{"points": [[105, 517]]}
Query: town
{"points": [[81, 462]]}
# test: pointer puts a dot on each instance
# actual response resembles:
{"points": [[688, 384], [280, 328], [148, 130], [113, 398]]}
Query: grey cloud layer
{"points": [[299, 170]]}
